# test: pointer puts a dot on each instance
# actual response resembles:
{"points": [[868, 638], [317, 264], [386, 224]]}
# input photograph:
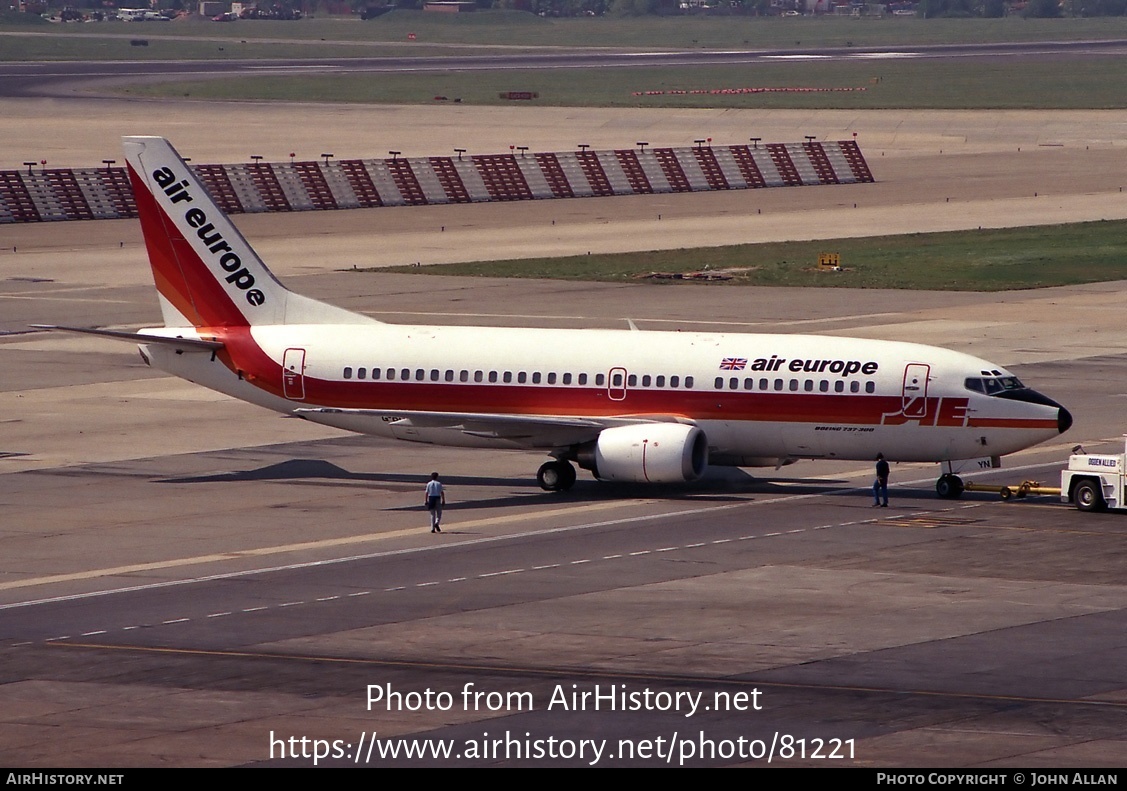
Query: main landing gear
{"points": [[949, 487], [556, 476]]}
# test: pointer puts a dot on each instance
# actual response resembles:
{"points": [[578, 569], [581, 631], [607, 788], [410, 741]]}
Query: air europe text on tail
{"points": [[207, 274]]}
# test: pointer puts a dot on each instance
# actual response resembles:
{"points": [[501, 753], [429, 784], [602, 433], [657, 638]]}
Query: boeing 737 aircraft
{"points": [[627, 405]]}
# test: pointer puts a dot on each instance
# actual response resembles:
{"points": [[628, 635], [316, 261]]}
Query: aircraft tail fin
{"points": [[206, 273]]}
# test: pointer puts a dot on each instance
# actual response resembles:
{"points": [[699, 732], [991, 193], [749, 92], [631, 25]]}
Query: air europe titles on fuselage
{"points": [[799, 365]]}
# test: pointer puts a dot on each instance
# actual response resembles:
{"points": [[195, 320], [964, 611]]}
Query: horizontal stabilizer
{"points": [[185, 344]]}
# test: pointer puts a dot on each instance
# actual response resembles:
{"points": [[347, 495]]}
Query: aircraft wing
{"points": [[528, 431]]}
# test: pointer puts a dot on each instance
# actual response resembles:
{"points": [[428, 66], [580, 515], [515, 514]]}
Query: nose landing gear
{"points": [[949, 487]]}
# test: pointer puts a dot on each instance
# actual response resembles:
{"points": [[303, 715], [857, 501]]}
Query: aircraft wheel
{"points": [[1088, 497], [949, 487], [555, 476]]}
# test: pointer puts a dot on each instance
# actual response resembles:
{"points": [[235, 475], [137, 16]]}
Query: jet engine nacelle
{"points": [[650, 453]]}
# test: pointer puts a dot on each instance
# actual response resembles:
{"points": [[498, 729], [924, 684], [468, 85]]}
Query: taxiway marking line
{"points": [[307, 545], [388, 553]]}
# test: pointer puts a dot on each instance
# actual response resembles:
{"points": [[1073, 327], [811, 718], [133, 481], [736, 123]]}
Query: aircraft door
{"points": [[293, 374], [616, 384], [913, 395]]}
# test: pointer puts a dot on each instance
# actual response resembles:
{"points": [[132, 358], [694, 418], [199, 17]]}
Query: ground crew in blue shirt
{"points": [[435, 499]]}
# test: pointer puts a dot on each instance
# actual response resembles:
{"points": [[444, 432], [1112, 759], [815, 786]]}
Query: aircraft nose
{"points": [[1064, 420]]}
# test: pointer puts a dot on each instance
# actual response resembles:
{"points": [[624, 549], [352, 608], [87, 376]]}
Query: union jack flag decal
{"points": [[733, 363]]}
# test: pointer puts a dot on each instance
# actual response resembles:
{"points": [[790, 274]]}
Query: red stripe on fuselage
{"points": [[243, 355], [512, 399]]}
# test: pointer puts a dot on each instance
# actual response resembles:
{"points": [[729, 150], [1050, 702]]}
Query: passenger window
{"points": [[449, 376], [616, 380], [632, 380], [567, 379], [535, 377], [463, 376], [674, 381], [733, 383], [763, 384], [660, 382], [778, 384], [361, 373], [375, 373], [808, 385], [507, 377], [478, 376], [551, 378], [749, 384], [493, 376], [688, 381], [405, 374], [870, 387], [719, 383], [824, 386], [391, 374], [839, 386], [646, 380], [348, 372], [434, 375], [583, 379], [855, 387], [794, 384], [599, 379], [522, 377]]}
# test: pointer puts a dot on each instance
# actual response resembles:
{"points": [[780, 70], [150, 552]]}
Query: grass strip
{"points": [[987, 260], [1012, 83]]}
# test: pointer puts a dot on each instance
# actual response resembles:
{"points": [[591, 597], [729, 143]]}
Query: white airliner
{"points": [[627, 405]]}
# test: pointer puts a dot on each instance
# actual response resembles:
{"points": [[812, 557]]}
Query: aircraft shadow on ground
{"points": [[720, 485]]}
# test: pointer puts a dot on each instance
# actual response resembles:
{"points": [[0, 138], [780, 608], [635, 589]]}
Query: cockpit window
{"points": [[992, 385]]}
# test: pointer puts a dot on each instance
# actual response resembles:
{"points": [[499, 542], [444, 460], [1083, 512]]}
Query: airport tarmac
{"points": [[190, 581]]}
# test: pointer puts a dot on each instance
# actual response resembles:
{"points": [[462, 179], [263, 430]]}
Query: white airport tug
{"points": [[1094, 482]]}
